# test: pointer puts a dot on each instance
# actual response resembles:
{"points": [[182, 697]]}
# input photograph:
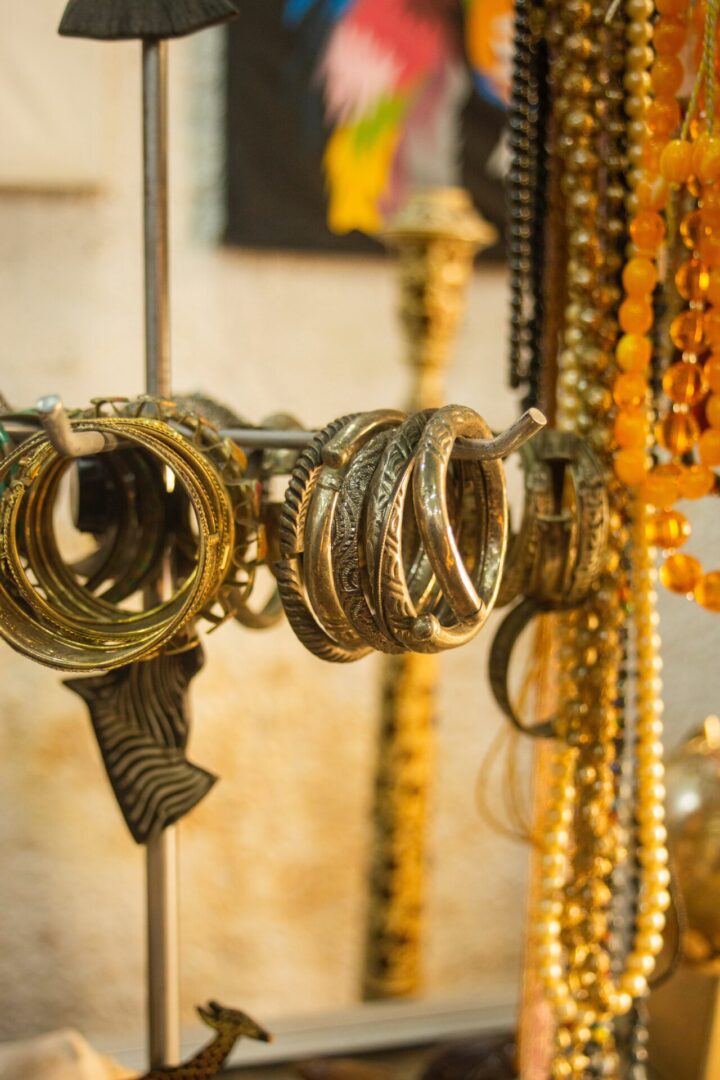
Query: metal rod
{"points": [[163, 950], [269, 438], [272, 439], [69, 443], [155, 176], [161, 855], [466, 449], [505, 443]]}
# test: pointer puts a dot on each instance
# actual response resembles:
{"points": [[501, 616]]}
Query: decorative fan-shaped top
{"points": [[116, 20]]}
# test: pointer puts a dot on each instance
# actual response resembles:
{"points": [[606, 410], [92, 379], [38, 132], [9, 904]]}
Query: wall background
{"points": [[273, 861]]}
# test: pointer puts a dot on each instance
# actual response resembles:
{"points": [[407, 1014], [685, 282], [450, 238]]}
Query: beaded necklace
{"points": [[578, 888], [526, 188], [688, 433]]}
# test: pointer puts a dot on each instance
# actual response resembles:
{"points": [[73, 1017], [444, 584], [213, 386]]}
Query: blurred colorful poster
{"points": [[337, 108]]}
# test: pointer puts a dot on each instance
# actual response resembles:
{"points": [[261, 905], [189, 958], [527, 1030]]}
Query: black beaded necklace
{"points": [[529, 110]]}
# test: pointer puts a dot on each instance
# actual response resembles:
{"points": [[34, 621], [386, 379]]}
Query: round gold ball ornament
{"points": [[693, 824]]}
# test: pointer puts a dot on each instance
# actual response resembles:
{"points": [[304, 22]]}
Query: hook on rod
{"points": [[505, 443], [67, 442]]}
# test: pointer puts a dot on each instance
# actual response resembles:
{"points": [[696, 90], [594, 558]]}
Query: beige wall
{"points": [[273, 861]]}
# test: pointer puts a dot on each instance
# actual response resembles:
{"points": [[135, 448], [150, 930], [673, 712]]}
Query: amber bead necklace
{"points": [[688, 433]]}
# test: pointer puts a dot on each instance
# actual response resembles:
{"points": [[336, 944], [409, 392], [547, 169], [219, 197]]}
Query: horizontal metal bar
{"points": [[500, 446], [269, 439]]}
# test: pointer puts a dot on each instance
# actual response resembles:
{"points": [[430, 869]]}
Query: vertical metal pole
{"points": [[162, 950], [155, 173], [162, 862]]}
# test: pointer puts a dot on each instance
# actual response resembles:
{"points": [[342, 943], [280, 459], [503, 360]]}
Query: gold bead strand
{"points": [[650, 194], [652, 851], [591, 640], [644, 195]]}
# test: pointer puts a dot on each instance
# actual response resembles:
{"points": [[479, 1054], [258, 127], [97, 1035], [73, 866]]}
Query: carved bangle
{"points": [[288, 570], [415, 626], [349, 571], [263, 465], [319, 555], [524, 552]]}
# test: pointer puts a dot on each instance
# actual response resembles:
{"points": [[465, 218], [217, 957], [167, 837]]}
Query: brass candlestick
{"points": [[436, 237]]}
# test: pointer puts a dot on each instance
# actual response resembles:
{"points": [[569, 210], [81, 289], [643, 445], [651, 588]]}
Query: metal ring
{"points": [[288, 570], [48, 615], [470, 600], [501, 650], [349, 572], [318, 546], [557, 552], [416, 628]]}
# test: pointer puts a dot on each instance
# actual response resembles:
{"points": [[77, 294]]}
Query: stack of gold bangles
{"points": [[71, 617], [386, 543]]}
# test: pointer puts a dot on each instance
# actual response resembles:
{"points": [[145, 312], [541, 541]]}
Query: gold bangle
{"points": [[349, 572], [319, 552], [288, 570], [470, 600], [129, 527], [229, 467], [230, 463], [408, 615], [69, 627], [55, 576]]}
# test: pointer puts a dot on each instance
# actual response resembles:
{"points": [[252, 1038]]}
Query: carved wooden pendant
{"points": [[140, 717]]}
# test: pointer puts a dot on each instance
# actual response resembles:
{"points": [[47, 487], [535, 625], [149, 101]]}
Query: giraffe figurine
{"points": [[230, 1025]]}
